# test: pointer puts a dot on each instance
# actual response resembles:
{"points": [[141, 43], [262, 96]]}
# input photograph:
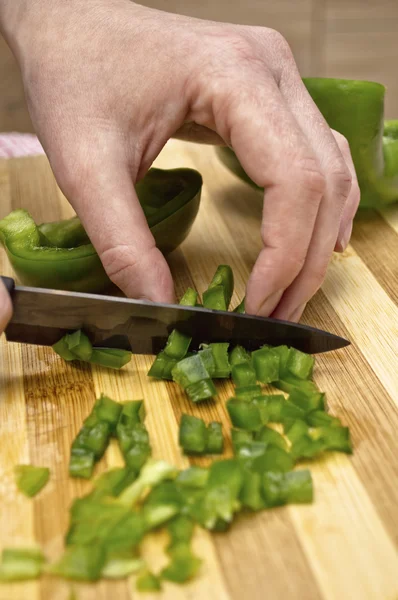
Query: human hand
{"points": [[5, 307], [108, 82]]}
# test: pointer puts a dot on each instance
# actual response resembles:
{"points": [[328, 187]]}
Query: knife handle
{"points": [[9, 283]]}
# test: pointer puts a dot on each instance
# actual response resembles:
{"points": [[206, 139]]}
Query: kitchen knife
{"points": [[43, 316]]}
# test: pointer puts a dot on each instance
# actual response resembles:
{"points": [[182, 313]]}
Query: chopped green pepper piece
{"points": [[214, 298], [241, 307], [180, 530], [83, 563], [114, 481], [239, 437], [247, 392], [152, 473], [108, 410], [215, 359], [120, 566], [222, 368], [317, 418], [162, 367], [248, 452], [81, 463], [162, 504], [270, 407], [148, 582], [296, 430], [192, 435], [291, 412], [287, 488], [19, 564], [336, 438], [137, 456], [289, 383], [239, 355], [218, 294], [183, 565], [244, 415], [61, 348], [30, 480], [133, 412], [250, 494], [274, 459], [177, 345], [307, 402], [271, 437], [283, 352], [126, 534], [243, 375], [215, 441], [189, 298], [221, 495], [201, 390], [195, 477], [266, 364], [190, 370], [79, 344], [207, 357], [300, 364], [112, 358], [94, 439]]}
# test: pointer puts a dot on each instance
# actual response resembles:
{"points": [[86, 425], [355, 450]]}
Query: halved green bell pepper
{"points": [[59, 255], [356, 110]]}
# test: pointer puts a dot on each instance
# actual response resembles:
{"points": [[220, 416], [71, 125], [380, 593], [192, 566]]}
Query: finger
{"points": [[351, 206], [334, 200], [276, 154], [5, 307], [102, 193]]}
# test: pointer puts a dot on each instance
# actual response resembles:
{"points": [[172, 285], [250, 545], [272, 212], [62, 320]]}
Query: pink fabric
{"points": [[19, 144]]}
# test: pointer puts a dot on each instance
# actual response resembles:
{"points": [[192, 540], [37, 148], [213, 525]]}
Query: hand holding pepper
{"points": [[108, 82]]}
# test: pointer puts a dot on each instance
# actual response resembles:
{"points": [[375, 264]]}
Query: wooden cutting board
{"points": [[341, 547]]}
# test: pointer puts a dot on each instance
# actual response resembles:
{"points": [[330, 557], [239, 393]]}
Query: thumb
{"points": [[5, 307], [103, 195]]}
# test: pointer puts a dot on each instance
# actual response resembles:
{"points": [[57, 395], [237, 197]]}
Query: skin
{"points": [[108, 82]]}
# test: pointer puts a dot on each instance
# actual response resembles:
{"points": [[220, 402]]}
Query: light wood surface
{"points": [[342, 547]]}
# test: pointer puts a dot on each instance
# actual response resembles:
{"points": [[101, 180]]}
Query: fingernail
{"points": [[345, 238], [270, 303], [296, 314]]}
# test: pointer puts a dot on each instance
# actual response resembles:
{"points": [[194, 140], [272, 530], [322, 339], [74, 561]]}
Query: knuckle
{"points": [[308, 174], [342, 142], [279, 44], [341, 180], [119, 261], [294, 263], [316, 276]]}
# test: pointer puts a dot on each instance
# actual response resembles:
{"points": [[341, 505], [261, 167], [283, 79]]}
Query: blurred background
{"points": [[332, 38]]}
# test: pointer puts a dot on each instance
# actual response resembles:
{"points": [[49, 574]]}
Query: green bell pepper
{"points": [[356, 110], [30, 480], [60, 256]]}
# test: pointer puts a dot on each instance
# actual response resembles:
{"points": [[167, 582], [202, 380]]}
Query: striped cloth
{"points": [[19, 144]]}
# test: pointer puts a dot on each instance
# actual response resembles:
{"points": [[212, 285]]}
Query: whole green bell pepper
{"points": [[356, 110], [59, 255]]}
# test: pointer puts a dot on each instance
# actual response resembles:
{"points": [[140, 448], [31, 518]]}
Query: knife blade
{"points": [[43, 316]]}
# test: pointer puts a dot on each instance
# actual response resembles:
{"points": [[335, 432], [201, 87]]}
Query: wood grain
{"points": [[342, 546]]}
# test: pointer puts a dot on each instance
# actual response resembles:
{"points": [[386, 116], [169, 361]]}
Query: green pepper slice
{"points": [[60, 256]]}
